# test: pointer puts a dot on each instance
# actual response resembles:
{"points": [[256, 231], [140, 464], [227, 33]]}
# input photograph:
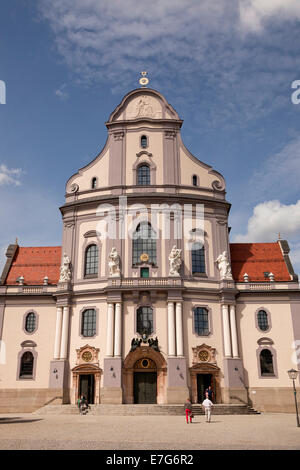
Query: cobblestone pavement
{"points": [[265, 431]]}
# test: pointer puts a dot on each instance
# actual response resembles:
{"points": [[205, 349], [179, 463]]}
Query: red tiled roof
{"points": [[34, 263], [257, 258]]}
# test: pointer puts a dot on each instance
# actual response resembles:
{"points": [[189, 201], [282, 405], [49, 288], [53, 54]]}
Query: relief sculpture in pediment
{"points": [[144, 106]]}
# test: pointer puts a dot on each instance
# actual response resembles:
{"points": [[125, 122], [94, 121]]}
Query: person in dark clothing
{"points": [[210, 393], [188, 410], [83, 405]]}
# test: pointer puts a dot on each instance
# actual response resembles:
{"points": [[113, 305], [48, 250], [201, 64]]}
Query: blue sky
{"points": [[226, 67]]}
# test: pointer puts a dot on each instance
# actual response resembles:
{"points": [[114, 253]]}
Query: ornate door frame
{"points": [[204, 362], [132, 364], [87, 363]]}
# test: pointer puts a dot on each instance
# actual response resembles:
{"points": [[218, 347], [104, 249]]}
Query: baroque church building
{"points": [[147, 301]]}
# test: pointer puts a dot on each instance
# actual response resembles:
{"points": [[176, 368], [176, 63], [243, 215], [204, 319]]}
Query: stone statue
{"points": [[224, 266], [114, 263], [135, 343], [175, 261], [65, 272], [153, 343]]}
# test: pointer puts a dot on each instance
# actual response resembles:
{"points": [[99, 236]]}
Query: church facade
{"points": [[147, 301]]}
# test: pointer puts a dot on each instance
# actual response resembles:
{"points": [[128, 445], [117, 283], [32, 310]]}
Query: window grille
{"points": [[144, 241], [144, 141], [30, 322], [201, 321], [262, 320], [198, 258], [88, 327], [144, 320], [143, 175], [91, 260]]}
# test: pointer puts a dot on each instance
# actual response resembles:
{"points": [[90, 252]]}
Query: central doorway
{"points": [[203, 382], [87, 387], [145, 387]]}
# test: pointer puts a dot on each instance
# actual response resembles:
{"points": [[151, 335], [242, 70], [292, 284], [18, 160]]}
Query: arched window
{"points": [[262, 320], [144, 320], [201, 321], [144, 141], [144, 242], [88, 323], [91, 260], [195, 180], [30, 322], [143, 175], [94, 183], [266, 362], [26, 368], [198, 258]]}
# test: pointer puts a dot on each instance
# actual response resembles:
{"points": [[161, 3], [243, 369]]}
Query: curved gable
{"points": [[143, 103]]}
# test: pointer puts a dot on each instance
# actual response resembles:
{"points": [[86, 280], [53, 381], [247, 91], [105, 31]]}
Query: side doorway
{"points": [[203, 382], [87, 387]]}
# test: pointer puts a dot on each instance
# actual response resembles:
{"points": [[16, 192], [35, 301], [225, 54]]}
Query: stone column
{"points": [[171, 330], [226, 331], [65, 334], [57, 342], [234, 339], [179, 329], [118, 330], [110, 331]]}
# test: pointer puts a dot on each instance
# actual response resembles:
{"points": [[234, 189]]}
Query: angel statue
{"points": [[224, 266], [175, 261], [114, 263], [65, 272]]}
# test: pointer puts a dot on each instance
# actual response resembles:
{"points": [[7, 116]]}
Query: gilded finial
{"points": [[143, 81]]}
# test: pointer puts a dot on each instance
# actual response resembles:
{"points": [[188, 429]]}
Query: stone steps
{"points": [[143, 410]]}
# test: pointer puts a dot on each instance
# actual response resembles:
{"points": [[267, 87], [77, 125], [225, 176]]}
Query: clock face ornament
{"points": [[144, 257], [203, 356], [87, 356], [144, 80]]}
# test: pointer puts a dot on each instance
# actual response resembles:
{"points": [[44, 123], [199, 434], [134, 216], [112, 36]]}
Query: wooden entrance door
{"points": [[87, 387], [145, 387], [203, 382]]}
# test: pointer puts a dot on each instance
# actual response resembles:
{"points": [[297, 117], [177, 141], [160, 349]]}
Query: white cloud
{"points": [[200, 43], [279, 174], [254, 13], [32, 216], [10, 175], [61, 93], [270, 218]]}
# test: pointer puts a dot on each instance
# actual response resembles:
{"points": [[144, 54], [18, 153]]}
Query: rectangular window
{"points": [[144, 272], [198, 259], [145, 320], [88, 323], [201, 321], [91, 260]]}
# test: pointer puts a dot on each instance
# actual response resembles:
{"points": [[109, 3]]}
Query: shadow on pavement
{"points": [[14, 420]]}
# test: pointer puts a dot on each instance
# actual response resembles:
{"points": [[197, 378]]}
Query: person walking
{"points": [[188, 410], [207, 406], [79, 403]]}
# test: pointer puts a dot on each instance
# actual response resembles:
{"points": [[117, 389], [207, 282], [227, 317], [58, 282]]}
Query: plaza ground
{"points": [[35, 432]]}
